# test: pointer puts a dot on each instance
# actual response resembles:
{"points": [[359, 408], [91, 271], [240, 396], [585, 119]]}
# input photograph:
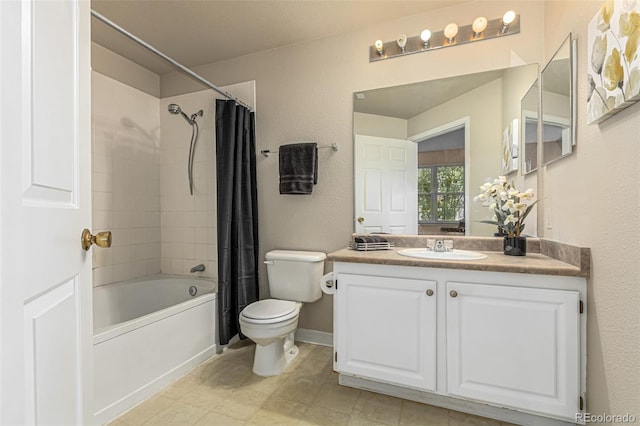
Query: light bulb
{"points": [[508, 17], [450, 32], [479, 25], [402, 41], [425, 36], [379, 47]]}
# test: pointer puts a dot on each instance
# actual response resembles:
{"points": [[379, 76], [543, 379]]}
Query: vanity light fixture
{"points": [[402, 42], [452, 35], [478, 26], [425, 37], [450, 32]]}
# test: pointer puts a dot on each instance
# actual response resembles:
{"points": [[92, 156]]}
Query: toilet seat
{"points": [[269, 311]]}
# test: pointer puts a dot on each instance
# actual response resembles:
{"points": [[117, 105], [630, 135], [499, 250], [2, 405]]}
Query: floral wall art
{"points": [[614, 66]]}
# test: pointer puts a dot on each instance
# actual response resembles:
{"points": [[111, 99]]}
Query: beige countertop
{"points": [[532, 263]]}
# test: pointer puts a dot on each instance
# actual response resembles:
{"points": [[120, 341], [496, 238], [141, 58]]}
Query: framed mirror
{"points": [[558, 103], [422, 150], [529, 110]]}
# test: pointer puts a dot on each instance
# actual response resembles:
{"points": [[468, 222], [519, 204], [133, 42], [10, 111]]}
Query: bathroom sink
{"points": [[423, 253]]}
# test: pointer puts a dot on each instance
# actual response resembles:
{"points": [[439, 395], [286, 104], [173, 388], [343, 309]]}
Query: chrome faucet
{"points": [[197, 268], [441, 246]]}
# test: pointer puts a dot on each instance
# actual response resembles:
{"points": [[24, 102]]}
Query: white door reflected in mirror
{"points": [[386, 185]]}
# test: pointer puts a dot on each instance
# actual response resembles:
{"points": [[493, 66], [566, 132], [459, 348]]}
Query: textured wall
{"points": [[591, 198]]}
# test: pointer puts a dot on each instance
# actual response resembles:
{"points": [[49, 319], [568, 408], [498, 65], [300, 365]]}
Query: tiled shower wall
{"points": [[140, 184], [188, 222], [125, 180]]}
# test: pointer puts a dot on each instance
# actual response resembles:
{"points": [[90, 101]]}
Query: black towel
{"points": [[298, 167]]}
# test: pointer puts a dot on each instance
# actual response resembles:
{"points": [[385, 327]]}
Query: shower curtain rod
{"points": [[167, 58]]}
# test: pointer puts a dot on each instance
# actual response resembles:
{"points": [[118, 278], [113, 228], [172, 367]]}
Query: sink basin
{"points": [[423, 253]]}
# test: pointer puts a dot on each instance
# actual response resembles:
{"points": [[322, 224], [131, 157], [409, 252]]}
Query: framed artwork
{"points": [[614, 67], [510, 148]]}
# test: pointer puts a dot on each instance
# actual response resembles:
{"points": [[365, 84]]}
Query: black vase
{"points": [[515, 246]]}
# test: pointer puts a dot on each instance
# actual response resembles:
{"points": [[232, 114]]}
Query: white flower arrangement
{"points": [[506, 204]]}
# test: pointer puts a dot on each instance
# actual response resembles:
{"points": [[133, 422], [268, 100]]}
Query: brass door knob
{"points": [[429, 292], [453, 293], [101, 239], [360, 219]]}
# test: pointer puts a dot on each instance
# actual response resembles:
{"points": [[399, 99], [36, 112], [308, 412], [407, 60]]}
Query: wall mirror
{"points": [[422, 150], [529, 107], [558, 103]]}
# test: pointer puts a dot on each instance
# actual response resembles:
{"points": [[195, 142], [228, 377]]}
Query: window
{"points": [[441, 194]]}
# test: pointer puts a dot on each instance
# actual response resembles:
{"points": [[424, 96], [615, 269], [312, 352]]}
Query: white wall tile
{"points": [[141, 188], [102, 200]]}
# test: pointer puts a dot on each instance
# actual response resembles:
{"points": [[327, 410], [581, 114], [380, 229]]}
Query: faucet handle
{"points": [[448, 245]]}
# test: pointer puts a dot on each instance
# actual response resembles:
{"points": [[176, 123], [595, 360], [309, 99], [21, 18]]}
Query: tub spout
{"points": [[198, 268]]}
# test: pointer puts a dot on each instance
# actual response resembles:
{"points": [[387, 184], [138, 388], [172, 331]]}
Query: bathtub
{"points": [[147, 333]]}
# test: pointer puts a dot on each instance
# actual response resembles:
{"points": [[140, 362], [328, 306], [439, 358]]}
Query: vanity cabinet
{"points": [[387, 329], [512, 341]]}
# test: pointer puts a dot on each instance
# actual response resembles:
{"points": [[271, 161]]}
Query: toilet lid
{"points": [[269, 309]]}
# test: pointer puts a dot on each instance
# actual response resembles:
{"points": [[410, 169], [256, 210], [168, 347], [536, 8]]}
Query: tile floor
{"points": [[224, 391]]}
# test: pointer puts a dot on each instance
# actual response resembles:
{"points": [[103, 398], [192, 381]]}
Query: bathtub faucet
{"points": [[197, 268]]}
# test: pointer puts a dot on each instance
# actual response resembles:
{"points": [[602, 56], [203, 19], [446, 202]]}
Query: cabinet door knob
{"points": [[429, 292], [453, 293]]}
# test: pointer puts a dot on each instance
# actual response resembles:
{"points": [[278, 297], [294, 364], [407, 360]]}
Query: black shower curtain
{"points": [[237, 214]]}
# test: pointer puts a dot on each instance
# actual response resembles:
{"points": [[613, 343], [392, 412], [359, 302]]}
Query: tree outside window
{"points": [[441, 194]]}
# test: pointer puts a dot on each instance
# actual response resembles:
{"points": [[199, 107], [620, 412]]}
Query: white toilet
{"points": [[294, 278]]}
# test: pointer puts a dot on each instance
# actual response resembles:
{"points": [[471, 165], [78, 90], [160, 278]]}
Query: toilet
{"points": [[294, 279]]}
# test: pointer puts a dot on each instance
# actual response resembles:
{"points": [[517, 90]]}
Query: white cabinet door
{"points": [[386, 329], [515, 347], [386, 192]]}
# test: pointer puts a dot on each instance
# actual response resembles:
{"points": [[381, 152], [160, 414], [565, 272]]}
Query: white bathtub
{"points": [[147, 333]]}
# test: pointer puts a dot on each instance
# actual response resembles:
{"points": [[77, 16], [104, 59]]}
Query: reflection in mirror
{"points": [[558, 105], [423, 150], [529, 110]]}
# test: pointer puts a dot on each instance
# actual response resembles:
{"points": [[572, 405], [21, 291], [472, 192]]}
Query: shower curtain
{"points": [[237, 214]]}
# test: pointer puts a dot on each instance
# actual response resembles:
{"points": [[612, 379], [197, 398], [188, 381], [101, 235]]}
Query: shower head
{"points": [[175, 109]]}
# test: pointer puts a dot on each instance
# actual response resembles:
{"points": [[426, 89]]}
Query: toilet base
{"points": [[273, 359]]}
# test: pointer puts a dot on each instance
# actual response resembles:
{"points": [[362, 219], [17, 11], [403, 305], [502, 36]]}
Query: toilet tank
{"points": [[295, 275]]}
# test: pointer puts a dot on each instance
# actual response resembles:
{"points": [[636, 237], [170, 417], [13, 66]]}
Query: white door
{"points": [[45, 281], [386, 192], [514, 347], [386, 329]]}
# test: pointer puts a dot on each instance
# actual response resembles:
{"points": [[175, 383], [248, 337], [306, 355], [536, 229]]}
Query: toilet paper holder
{"points": [[328, 283]]}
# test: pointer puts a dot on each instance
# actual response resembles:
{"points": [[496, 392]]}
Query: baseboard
{"points": [[315, 337]]}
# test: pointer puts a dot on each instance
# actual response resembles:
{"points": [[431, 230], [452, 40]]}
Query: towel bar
{"points": [[266, 152]]}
